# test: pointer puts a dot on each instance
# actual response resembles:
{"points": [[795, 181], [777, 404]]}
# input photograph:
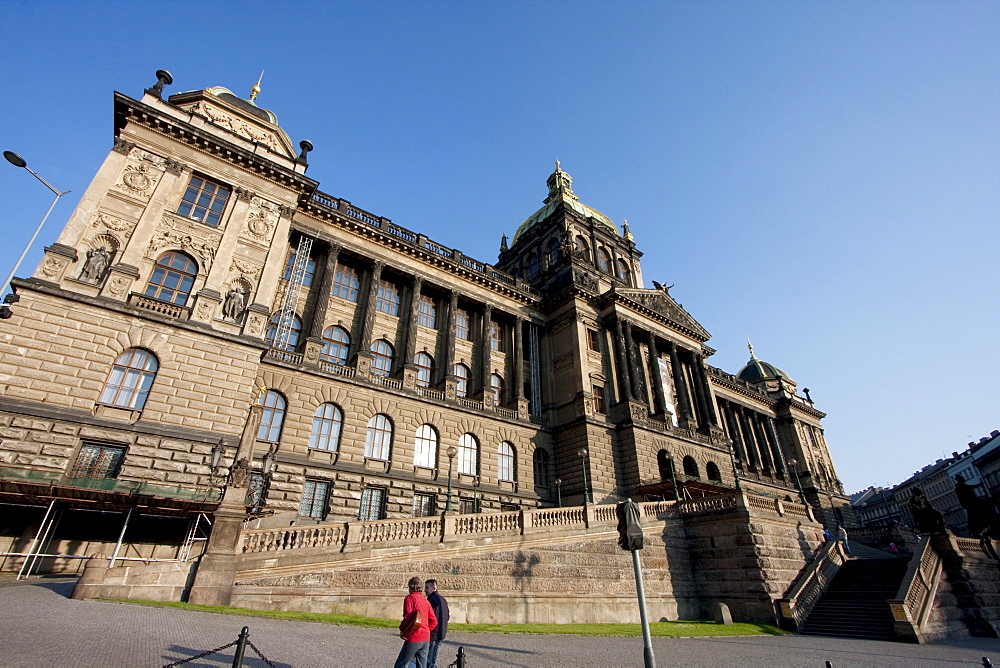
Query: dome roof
{"points": [[560, 190], [247, 106], [757, 370]]}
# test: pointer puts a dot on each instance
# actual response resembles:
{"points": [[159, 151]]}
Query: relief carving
{"points": [[138, 180], [204, 310], [53, 266], [247, 270], [113, 223], [236, 125], [118, 286], [262, 219], [170, 235], [255, 326]]}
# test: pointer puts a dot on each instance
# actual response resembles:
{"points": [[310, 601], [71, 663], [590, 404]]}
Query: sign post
{"points": [[630, 539]]}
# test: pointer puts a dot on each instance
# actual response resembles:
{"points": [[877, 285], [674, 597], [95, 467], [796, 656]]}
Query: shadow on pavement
{"points": [[224, 658], [62, 587]]}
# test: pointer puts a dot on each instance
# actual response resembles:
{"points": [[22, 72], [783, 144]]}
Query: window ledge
{"points": [[376, 464], [424, 472], [130, 415]]}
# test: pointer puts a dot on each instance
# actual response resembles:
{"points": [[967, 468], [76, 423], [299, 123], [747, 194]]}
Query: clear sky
{"points": [[821, 176]]}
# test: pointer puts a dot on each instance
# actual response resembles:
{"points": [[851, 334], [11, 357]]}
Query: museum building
{"points": [[203, 273]]}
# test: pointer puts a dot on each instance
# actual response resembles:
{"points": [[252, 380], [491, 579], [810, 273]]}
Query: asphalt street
{"points": [[41, 626]]}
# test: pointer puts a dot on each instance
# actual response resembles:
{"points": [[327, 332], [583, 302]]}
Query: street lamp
{"points": [[732, 459], [18, 161], [558, 483], [673, 475], [583, 458], [452, 451], [795, 472]]}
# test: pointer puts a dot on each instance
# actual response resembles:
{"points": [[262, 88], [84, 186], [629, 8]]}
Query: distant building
{"points": [[876, 507]]}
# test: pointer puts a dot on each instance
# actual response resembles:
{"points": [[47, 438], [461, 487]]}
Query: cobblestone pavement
{"points": [[41, 626]]}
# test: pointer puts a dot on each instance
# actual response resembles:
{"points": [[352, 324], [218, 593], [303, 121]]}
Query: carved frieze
{"points": [[261, 220], [201, 241], [247, 269], [141, 173], [236, 125]]}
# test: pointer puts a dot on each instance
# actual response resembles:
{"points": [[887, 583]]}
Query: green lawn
{"points": [[683, 629]]}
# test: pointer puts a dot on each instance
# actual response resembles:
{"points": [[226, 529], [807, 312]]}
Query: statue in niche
{"points": [[96, 264], [235, 302], [928, 518]]}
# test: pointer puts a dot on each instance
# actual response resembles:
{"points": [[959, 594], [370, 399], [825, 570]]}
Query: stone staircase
{"points": [[855, 605]]}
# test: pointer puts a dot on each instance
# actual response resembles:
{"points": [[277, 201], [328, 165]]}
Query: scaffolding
{"points": [[286, 315]]}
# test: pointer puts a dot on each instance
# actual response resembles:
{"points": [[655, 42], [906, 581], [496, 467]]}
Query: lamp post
{"points": [[795, 472], [673, 475], [732, 459], [583, 459], [558, 483], [452, 451], [18, 161]]}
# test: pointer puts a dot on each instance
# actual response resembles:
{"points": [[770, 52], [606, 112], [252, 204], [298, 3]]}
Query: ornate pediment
{"points": [[661, 303]]}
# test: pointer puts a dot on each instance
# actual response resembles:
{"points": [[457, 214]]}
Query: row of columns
{"points": [[755, 438], [365, 324], [694, 396]]}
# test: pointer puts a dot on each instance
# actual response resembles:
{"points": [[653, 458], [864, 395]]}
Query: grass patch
{"points": [[684, 629]]}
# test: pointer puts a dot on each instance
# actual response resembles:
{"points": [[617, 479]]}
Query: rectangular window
{"points": [[345, 283], [426, 312], [424, 505], [593, 342], [204, 201], [307, 278], [314, 499], [387, 298], [496, 337], [462, 328], [467, 507], [599, 399], [372, 504], [97, 460]]}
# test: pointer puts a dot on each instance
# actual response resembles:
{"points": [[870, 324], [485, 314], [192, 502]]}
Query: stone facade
{"points": [[204, 273]]}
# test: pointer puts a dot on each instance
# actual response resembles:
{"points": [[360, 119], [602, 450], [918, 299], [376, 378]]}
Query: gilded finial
{"points": [[255, 91], [750, 346], [626, 234], [557, 164]]}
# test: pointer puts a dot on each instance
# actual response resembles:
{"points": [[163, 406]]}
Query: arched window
{"points": [[328, 420], [172, 278], [273, 416], [552, 252], [468, 454], [425, 369], [462, 376], [712, 471], [336, 344], [603, 260], [382, 354], [690, 467], [624, 272], [294, 331], [581, 247], [532, 266], [506, 469], [496, 385], [379, 439], [665, 465], [540, 464], [425, 447], [130, 378]]}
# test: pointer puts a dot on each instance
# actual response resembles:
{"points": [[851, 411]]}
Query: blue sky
{"points": [[821, 176]]}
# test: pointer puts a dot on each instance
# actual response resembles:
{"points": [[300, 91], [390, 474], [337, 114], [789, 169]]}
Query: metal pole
{"points": [[447, 504], [34, 543], [647, 643], [121, 536], [44, 544], [241, 647], [38, 229], [559, 496]]}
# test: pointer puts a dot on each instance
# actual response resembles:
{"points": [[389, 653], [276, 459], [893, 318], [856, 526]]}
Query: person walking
{"points": [[842, 537], [415, 628], [440, 607], [827, 535]]}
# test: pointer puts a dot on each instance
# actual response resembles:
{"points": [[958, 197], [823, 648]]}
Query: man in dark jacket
{"points": [[440, 607]]}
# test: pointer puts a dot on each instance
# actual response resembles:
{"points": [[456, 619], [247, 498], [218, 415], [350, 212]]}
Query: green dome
{"points": [[560, 190], [757, 370]]}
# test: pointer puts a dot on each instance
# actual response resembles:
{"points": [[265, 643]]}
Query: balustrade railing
{"points": [[915, 597], [283, 356], [393, 383], [156, 306], [429, 393], [721, 502], [338, 369], [810, 586], [488, 523]]}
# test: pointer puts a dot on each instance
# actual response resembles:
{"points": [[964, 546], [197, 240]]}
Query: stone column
{"points": [[680, 382], [624, 384], [762, 444], [753, 452], [660, 400], [518, 375], [772, 437], [633, 366], [368, 321], [410, 337], [448, 349], [485, 355], [314, 341], [701, 377], [734, 431], [698, 390]]}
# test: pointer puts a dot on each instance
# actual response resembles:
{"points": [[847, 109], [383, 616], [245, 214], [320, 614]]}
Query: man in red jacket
{"points": [[415, 629]]}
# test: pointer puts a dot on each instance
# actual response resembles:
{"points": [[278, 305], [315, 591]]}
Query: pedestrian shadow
{"points": [[178, 653], [480, 652], [64, 589]]}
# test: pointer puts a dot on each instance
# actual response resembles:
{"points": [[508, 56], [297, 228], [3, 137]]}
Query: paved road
{"points": [[41, 626]]}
